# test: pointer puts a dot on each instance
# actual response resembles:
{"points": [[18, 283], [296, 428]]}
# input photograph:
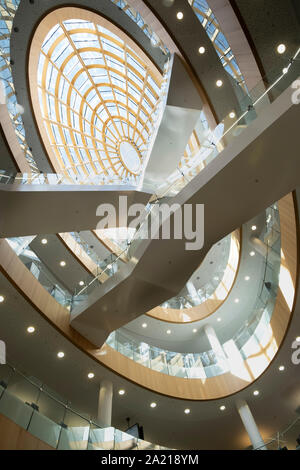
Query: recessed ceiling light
{"points": [[222, 408], [247, 278], [216, 278], [179, 15], [195, 330], [60, 355], [253, 227], [219, 319], [31, 329], [81, 283], [44, 241], [168, 332], [219, 83], [285, 70], [144, 325], [298, 339], [121, 392], [236, 301], [187, 411], [153, 404], [1, 298], [232, 115], [91, 375], [281, 368], [281, 48], [201, 50], [252, 253], [255, 393], [63, 263]]}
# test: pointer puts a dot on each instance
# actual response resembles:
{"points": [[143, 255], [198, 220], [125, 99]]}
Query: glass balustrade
{"points": [[250, 336], [7, 13], [250, 106], [138, 19], [287, 439], [64, 179], [40, 411], [41, 272], [205, 291], [189, 365]]}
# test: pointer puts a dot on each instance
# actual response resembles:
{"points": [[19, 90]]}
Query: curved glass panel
{"points": [[45, 415], [210, 23], [98, 100], [7, 13], [251, 337]]}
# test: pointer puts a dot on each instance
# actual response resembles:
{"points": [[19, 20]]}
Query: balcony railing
{"points": [[37, 409]]}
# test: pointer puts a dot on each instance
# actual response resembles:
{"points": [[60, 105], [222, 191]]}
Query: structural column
{"points": [[105, 403], [214, 342], [250, 425], [192, 291]]}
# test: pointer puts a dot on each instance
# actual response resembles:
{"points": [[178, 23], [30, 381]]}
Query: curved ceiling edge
{"points": [[93, 90], [187, 389], [27, 17]]}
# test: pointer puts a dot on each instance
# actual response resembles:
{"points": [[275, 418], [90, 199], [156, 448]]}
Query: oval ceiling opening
{"points": [[95, 94]]}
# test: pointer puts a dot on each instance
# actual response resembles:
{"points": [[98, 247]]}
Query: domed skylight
{"points": [[96, 99]]}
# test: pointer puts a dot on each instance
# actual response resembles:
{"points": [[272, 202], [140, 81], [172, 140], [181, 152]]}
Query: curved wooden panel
{"points": [[188, 389], [84, 259], [13, 437]]}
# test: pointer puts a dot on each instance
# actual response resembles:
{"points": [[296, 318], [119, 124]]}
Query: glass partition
{"points": [[7, 13], [250, 336], [35, 408]]}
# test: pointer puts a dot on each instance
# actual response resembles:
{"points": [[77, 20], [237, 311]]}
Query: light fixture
{"points": [[44, 241], [252, 253], [144, 325], [91, 375], [81, 283], [60, 355], [121, 392], [219, 319], [168, 332], [1, 298], [153, 404], [281, 48], [179, 15], [298, 339], [187, 411], [247, 278], [201, 50], [195, 330], [222, 408], [219, 83], [109, 266], [256, 393], [253, 227], [236, 301], [232, 115], [281, 368], [31, 329], [285, 70], [63, 264], [216, 278]]}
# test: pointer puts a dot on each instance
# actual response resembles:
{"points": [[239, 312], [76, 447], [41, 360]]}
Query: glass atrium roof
{"points": [[98, 101]]}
